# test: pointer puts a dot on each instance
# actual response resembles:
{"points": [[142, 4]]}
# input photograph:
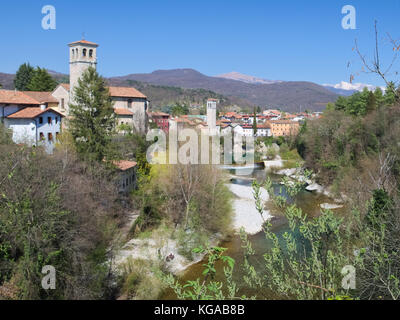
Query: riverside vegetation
{"points": [[355, 149]]}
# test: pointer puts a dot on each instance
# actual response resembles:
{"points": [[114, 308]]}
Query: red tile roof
{"points": [[16, 97], [83, 42], [125, 92], [123, 112], [30, 113], [124, 165], [41, 97]]}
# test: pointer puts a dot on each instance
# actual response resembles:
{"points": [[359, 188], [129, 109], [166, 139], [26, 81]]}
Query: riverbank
{"points": [[246, 215]]}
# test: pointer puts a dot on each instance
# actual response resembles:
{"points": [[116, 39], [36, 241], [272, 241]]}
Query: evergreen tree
{"points": [[92, 123], [23, 77], [255, 122], [41, 81], [371, 102], [379, 97], [390, 94]]}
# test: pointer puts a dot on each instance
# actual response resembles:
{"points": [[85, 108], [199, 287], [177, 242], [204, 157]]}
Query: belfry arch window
{"points": [[84, 52], [91, 53]]}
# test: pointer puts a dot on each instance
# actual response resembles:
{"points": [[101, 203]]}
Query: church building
{"points": [[130, 105], [35, 117]]}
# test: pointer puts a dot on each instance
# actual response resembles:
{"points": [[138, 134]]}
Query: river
{"points": [[307, 201]]}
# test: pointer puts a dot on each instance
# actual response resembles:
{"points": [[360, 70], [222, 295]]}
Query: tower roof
{"points": [[85, 42]]}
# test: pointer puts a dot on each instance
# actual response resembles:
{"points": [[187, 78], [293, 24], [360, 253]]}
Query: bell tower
{"points": [[82, 55]]}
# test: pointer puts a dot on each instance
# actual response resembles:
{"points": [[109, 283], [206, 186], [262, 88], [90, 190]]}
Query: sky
{"points": [[287, 40]]}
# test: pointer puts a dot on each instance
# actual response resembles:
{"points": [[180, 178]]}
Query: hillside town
{"points": [[121, 180]]}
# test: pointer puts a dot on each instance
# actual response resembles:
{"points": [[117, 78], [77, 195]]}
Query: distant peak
{"points": [[234, 75]]}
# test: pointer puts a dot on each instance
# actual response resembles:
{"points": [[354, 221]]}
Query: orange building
{"points": [[280, 128]]}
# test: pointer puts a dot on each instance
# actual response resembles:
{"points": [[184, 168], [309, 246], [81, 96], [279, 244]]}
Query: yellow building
{"points": [[281, 128]]}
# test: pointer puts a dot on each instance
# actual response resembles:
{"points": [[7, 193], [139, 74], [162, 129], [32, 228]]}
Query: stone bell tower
{"points": [[212, 116], [82, 55]]}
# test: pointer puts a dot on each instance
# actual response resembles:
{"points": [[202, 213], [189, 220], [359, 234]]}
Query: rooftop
{"points": [[16, 97], [124, 165], [83, 42], [30, 113], [123, 112]]}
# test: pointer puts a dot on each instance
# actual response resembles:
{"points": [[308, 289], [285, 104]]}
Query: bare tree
{"points": [[376, 66]]}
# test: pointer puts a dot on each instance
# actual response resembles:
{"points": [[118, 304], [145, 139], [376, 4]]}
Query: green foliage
{"points": [[180, 109], [361, 103], [45, 220], [338, 142], [41, 81], [92, 123], [207, 288], [5, 135], [23, 77], [306, 264]]}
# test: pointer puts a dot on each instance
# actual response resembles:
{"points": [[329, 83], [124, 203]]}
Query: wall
{"points": [[23, 130], [62, 93], [127, 180]]}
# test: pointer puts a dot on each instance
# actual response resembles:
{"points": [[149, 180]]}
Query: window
{"points": [[91, 53], [50, 137], [41, 136], [40, 120], [56, 120], [49, 120], [62, 104], [84, 52], [129, 103], [127, 182]]}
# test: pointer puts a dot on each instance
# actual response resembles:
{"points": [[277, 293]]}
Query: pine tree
{"points": [[390, 94], [379, 97], [92, 123], [41, 81], [371, 102], [23, 77]]}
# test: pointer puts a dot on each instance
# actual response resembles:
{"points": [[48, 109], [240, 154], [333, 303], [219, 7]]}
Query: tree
{"points": [[41, 81], [92, 123], [255, 122], [371, 102], [390, 94], [23, 77]]}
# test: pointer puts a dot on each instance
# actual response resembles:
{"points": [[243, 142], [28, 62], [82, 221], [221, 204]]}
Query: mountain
{"points": [[245, 78], [288, 95], [158, 95], [7, 80], [347, 88], [187, 85]]}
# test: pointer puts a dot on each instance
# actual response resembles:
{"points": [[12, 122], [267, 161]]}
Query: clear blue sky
{"points": [[286, 40]]}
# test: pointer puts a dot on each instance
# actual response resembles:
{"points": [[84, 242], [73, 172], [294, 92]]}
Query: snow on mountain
{"points": [[245, 78], [352, 86]]}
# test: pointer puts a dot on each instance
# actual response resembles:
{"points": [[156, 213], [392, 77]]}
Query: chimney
{"points": [[43, 107]]}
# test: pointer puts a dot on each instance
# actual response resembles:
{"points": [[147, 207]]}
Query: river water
{"points": [[307, 201]]}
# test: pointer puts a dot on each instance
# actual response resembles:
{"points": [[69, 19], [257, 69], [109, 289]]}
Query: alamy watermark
{"points": [[349, 20], [49, 280], [49, 20], [190, 146], [349, 279]]}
